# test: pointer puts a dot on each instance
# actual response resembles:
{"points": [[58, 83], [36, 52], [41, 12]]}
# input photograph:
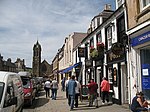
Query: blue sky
{"points": [[23, 22]]}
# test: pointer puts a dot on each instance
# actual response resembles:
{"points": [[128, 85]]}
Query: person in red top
{"points": [[105, 87], [93, 86]]}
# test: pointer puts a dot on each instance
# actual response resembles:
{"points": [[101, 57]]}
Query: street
{"points": [[42, 104]]}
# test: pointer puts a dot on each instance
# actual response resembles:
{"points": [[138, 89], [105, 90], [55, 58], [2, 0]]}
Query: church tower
{"points": [[36, 59]]}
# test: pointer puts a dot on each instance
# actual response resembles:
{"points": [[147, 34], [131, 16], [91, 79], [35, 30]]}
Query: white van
{"points": [[11, 92]]}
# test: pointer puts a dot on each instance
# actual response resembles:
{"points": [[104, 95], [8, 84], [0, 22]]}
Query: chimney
{"points": [[107, 7]]}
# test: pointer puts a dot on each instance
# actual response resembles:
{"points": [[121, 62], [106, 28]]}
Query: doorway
{"points": [[124, 80]]}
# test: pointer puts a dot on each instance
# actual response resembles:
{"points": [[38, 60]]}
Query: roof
{"points": [[3, 75], [24, 73]]}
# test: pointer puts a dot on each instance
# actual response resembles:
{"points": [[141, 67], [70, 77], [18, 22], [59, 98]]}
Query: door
{"points": [[124, 83]]}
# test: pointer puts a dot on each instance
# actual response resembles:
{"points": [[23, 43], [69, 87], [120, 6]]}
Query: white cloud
{"points": [[22, 22]]}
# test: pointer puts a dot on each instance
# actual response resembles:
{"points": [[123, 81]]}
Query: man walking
{"points": [[54, 89], [66, 84], [105, 87], [77, 92], [47, 87], [93, 86], [71, 92]]}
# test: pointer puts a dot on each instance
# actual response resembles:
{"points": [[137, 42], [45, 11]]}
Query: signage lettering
{"points": [[145, 37]]}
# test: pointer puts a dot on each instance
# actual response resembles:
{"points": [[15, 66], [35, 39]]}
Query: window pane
{"points": [[145, 2], [145, 66]]}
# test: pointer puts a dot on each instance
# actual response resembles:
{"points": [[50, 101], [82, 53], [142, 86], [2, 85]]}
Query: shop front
{"points": [[117, 73], [140, 48]]}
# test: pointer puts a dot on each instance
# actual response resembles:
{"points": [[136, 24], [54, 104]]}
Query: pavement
{"points": [[44, 104]]}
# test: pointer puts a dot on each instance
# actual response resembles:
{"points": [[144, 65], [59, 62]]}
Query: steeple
{"points": [[36, 59]]}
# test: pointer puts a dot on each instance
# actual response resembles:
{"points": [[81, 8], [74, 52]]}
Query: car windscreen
{"points": [[1, 90], [26, 83]]}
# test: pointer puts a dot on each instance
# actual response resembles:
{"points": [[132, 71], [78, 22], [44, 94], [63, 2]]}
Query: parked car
{"points": [[11, 92], [29, 89]]}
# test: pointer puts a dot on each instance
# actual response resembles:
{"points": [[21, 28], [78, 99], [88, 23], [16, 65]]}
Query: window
{"points": [[1, 90], [109, 36], [145, 3], [145, 71], [98, 22], [98, 37], [92, 42], [115, 76]]}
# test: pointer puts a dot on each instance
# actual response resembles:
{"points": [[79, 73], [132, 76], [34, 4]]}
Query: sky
{"points": [[23, 22]]}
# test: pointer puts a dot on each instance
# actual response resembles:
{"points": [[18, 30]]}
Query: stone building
{"points": [[36, 59], [7, 65], [20, 65], [46, 69], [138, 31], [39, 69]]}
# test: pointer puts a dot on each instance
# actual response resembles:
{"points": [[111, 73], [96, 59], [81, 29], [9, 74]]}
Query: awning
{"points": [[71, 67]]}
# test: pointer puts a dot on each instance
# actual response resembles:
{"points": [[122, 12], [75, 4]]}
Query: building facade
{"points": [[20, 65], [138, 17]]}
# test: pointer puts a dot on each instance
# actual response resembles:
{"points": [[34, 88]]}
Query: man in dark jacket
{"points": [[93, 86]]}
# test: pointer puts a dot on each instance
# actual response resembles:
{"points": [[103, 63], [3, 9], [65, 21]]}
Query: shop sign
{"points": [[111, 57], [145, 82], [98, 63], [81, 52], [145, 37], [117, 48], [88, 63]]}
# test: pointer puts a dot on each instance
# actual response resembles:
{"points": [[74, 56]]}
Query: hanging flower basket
{"points": [[100, 44], [91, 49], [94, 54]]}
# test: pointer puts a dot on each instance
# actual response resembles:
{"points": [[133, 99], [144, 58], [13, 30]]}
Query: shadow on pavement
{"points": [[41, 101], [61, 98], [42, 93], [85, 108]]}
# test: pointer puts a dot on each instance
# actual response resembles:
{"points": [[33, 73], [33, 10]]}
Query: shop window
{"points": [[115, 75], [145, 71], [110, 77]]}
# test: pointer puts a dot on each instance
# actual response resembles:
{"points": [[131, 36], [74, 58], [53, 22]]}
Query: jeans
{"points": [[71, 101], [54, 93], [105, 95], [76, 99], [92, 98], [47, 92], [139, 109], [66, 92]]}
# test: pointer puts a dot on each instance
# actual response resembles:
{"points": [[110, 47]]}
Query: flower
{"points": [[100, 44], [91, 48]]}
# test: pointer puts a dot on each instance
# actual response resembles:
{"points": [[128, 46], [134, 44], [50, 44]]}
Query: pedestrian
{"points": [[54, 89], [105, 87], [63, 84], [71, 92], [66, 84], [93, 86], [47, 86], [77, 92], [139, 104]]}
